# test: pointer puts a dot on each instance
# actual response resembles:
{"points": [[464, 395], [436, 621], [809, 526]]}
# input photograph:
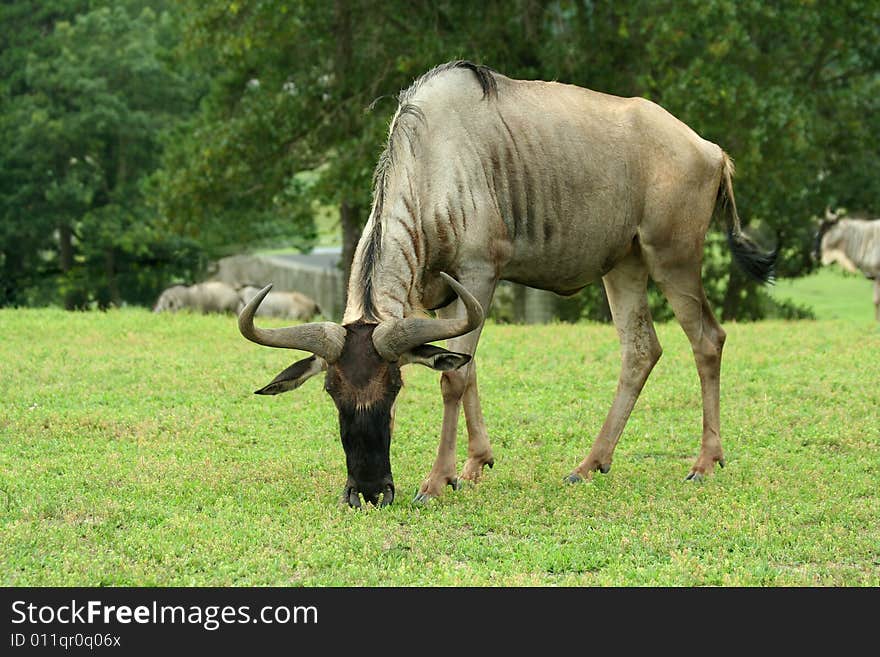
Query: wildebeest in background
{"points": [[545, 184], [854, 244], [208, 297], [288, 305]]}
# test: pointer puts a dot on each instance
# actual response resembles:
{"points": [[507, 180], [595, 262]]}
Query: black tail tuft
{"points": [[758, 264]]}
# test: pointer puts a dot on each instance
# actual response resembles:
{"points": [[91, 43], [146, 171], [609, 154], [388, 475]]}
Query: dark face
{"points": [[364, 386]]}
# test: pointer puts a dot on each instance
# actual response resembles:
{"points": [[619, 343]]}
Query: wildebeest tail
{"points": [[758, 264]]}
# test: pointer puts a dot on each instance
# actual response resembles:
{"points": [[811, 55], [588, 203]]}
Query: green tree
{"points": [[786, 88], [83, 125], [25, 225]]}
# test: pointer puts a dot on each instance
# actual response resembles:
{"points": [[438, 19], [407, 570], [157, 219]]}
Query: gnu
{"points": [[550, 185], [854, 244]]}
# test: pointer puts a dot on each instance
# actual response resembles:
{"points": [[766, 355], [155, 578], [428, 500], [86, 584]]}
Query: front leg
{"points": [[459, 386], [452, 386]]}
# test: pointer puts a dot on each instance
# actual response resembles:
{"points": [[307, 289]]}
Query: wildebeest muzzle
{"points": [[372, 492], [366, 438]]}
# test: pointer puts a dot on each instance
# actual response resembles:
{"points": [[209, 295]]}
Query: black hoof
{"points": [[573, 478], [421, 499], [722, 462], [491, 463], [605, 469], [455, 484], [694, 476], [388, 495]]}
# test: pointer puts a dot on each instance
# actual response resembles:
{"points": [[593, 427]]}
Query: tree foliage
{"points": [[786, 88], [83, 120], [299, 95]]}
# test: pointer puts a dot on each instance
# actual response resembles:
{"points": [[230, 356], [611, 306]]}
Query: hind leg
{"points": [[626, 286], [683, 288]]}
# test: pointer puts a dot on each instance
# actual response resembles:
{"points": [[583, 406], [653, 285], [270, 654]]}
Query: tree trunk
{"points": [[349, 211], [350, 219], [109, 250], [10, 278], [65, 260], [733, 294], [110, 274], [65, 247]]}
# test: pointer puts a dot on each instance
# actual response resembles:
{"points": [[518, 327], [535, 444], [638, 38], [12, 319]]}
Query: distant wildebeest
{"points": [[288, 305], [852, 243], [208, 297], [549, 185]]}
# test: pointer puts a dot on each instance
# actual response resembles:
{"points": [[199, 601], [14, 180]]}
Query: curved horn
{"points": [[324, 339], [829, 215], [394, 337]]}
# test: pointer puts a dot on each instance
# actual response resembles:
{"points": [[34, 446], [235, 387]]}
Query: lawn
{"points": [[132, 452], [831, 293]]}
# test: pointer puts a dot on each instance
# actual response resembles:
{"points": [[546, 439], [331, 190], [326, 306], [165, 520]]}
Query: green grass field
{"points": [[831, 293], [132, 452]]}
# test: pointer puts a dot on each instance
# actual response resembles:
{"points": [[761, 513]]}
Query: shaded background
{"points": [[143, 140]]}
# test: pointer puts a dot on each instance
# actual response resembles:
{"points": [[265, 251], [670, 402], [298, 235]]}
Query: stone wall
{"points": [[323, 284]]}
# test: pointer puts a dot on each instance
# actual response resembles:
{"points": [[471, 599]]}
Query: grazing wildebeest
{"points": [[288, 305], [208, 297], [852, 243], [545, 184]]}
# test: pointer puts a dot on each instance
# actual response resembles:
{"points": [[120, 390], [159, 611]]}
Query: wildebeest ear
{"points": [[434, 357], [294, 376]]}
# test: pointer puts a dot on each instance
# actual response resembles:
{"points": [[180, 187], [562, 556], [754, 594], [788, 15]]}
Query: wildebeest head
{"points": [[172, 299], [363, 362], [830, 220]]}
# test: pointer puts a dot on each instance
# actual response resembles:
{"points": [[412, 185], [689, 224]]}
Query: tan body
{"points": [[283, 304], [487, 178], [208, 297], [552, 186], [556, 184]]}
